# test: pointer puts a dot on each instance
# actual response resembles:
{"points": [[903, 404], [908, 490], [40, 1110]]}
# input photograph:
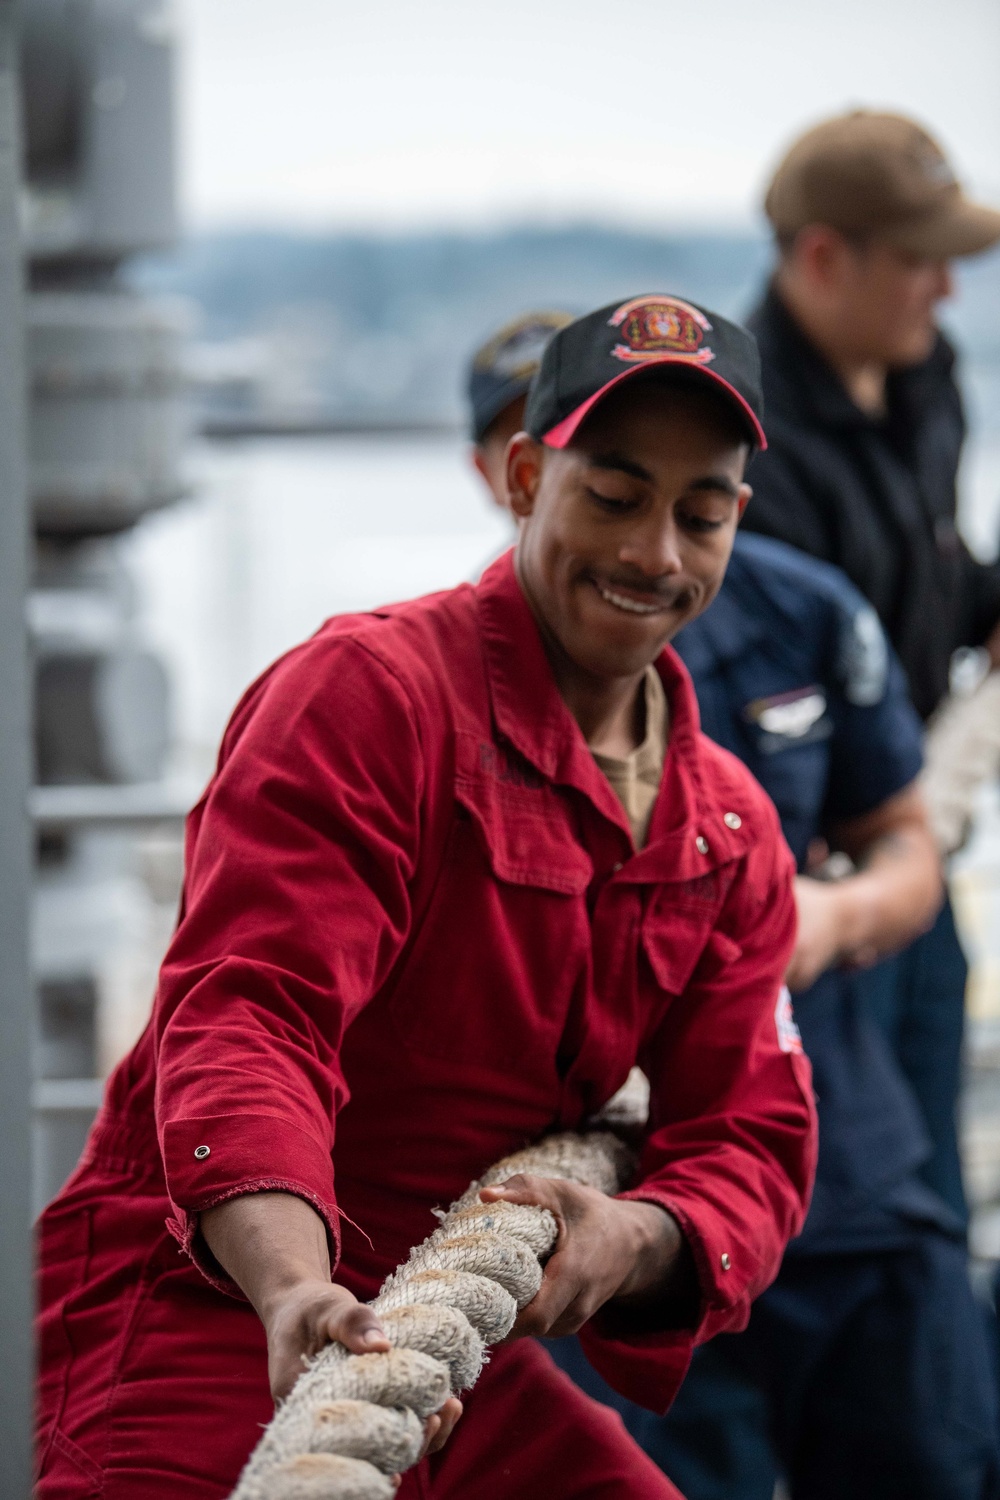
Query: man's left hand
{"points": [[608, 1249]]}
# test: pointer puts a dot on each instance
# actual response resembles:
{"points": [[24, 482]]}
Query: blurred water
{"points": [[979, 480], [281, 533]]}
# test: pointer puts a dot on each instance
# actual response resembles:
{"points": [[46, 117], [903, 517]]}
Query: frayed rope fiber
{"points": [[352, 1421]]}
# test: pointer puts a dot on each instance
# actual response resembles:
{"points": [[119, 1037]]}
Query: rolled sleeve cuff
{"points": [[209, 1159], [728, 1274], [648, 1368]]}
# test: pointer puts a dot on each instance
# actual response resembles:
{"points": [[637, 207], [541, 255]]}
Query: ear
{"points": [[822, 253], [525, 458], [743, 501]]}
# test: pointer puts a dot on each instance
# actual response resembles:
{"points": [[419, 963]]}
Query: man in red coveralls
{"points": [[464, 862]]}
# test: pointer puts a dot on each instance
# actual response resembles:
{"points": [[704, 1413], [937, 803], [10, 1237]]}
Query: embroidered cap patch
{"points": [[654, 326], [516, 351]]}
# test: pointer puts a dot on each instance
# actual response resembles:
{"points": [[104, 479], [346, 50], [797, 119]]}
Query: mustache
{"points": [[663, 590]]}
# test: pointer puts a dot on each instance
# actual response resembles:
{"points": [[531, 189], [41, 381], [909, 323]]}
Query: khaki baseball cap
{"points": [[880, 176]]}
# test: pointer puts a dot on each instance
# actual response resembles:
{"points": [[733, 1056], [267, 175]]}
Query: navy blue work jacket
{"points": [[794, 675]]}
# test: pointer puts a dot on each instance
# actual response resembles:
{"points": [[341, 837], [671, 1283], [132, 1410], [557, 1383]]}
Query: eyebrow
{"points": [[623, 465], [717, 482]]}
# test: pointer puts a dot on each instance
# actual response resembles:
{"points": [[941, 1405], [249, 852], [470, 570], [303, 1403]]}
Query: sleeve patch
{"points": [[789, 1037], [864, 658]]}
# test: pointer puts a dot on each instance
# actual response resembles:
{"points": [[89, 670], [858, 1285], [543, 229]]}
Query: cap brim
{"points": [[485, 412], [562, 434], [963, 228]]}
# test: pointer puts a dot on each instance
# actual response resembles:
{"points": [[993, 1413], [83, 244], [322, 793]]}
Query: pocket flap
{"points": [[675, 938], [522, 823]]}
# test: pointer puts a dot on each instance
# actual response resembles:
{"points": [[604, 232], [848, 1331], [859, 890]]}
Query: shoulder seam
{"points": [[389, 669]]}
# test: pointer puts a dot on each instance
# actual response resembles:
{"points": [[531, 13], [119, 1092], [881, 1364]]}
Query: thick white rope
{"points": [[961, 752], [352, 1421]]}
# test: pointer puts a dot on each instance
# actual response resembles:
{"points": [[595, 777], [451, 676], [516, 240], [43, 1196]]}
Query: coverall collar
{"points": [[531, 714]]}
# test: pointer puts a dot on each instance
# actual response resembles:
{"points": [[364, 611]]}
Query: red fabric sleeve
{"points": [[731, 1151], [295, 906]]}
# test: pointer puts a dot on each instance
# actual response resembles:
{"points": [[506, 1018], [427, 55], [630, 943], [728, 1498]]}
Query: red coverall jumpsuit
{"points": [[415, 935]]}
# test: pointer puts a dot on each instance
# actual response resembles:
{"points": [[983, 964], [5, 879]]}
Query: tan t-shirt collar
{"points": [[635, 778]]}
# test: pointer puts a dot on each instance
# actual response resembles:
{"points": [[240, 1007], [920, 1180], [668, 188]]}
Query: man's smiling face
{"points": [[625, 535]]}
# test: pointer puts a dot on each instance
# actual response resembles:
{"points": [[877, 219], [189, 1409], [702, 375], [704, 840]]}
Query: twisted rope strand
{"points": [[352, 1421]]}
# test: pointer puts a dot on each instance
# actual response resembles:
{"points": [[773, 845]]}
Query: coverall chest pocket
{"points": [[678, 930], [522, 822], [505, 938]]}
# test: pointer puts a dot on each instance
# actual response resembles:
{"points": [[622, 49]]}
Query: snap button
{"points": [[200, 1152], [701, 844], [732, 820], [616, 867], [724, 1261]]}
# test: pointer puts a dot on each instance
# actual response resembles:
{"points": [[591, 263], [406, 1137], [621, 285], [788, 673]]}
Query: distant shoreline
{"points": [[237, 429]]}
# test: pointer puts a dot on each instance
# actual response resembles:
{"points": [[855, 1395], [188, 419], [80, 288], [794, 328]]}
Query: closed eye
{"points": [[708, 509], [700, 524], [612, 504]]}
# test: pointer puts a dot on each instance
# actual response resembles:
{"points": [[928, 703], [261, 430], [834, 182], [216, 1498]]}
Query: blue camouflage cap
{"points": [[503, 369]]}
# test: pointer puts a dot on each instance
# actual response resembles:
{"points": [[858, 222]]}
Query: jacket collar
{"points": [[788, 356], [527, 706], [530, 713], [786, 349], [728, 630]]}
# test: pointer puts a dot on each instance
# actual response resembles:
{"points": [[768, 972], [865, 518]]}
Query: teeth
{"points": [[632, 605]]}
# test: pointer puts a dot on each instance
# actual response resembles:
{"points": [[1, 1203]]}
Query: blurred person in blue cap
{"points": [[499, 378]]}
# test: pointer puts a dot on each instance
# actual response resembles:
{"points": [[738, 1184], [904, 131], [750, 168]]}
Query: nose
{"points": [[653, 547]]}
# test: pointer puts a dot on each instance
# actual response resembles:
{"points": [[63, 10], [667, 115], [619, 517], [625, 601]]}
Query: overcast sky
{"points": [[400, 113]]}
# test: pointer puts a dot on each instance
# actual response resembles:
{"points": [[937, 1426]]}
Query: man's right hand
{"points": [[274, 1246], [300, 1320]]}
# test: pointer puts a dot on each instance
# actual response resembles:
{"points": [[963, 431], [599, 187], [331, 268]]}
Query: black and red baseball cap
{"points": [[594, 354]]}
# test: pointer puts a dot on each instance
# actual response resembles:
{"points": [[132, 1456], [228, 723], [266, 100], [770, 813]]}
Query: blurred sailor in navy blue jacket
{"points": [[865, 1370]]}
